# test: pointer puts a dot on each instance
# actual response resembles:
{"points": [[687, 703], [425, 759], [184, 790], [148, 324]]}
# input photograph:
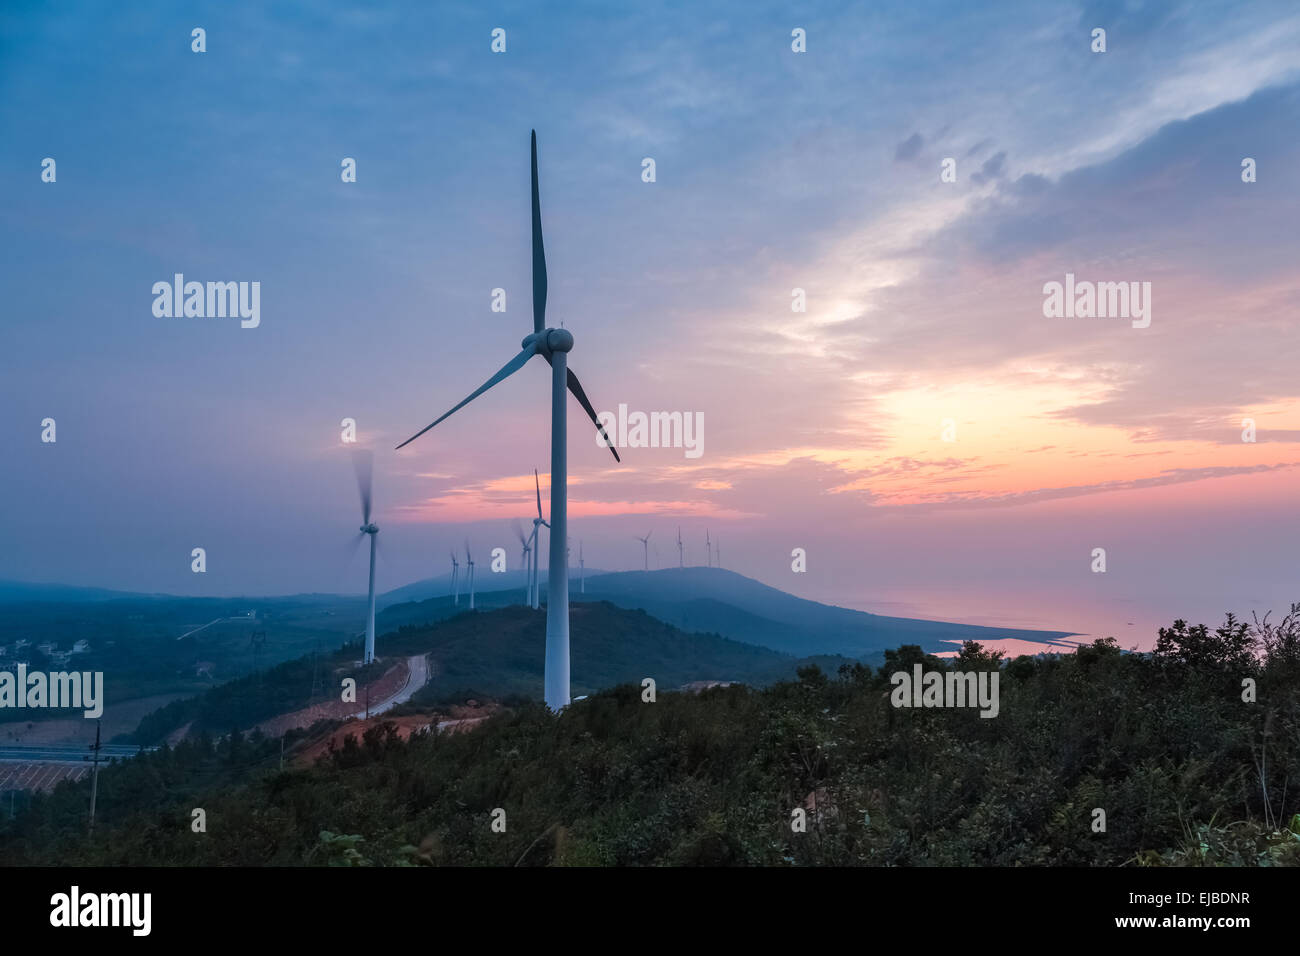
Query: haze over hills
{"points": [[716, 600], [161, 644], [484, 581]]}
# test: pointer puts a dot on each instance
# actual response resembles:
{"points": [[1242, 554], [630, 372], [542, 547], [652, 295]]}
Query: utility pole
{"points": [[94, 780]]}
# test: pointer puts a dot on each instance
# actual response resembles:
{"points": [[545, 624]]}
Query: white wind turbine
{"points": [[645, 543], [553, 345], [717, 552], [526, 547], [364, 462], [708, 548], [469, 559], [455, 578], [582, 571], [681, 554], [538, 523]]}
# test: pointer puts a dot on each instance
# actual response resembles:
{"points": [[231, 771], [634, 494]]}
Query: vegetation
{"points": [[1186, 770], [485, 654], [134, 640]]}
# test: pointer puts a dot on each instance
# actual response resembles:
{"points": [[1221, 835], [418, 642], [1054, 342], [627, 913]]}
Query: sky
{"points": [[774, 170]]}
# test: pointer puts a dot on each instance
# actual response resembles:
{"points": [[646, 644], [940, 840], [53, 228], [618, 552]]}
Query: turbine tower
{"points": [[681, 555], [582, 571], [645, 543], [553, 345], [364, 462], [717, 552], [455, 578], [708, 548], [469, 559]]}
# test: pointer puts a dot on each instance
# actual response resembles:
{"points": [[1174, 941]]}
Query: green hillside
{"points": [[492, 654], [1187, 772]]}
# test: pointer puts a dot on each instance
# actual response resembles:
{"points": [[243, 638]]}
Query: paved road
{"points": [[417, 675], [74, 755]]}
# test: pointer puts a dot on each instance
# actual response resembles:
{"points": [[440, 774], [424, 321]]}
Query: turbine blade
{"points": [[539, 253], [514, 365], [363, 460], [576, 388], [538, 486], [352, 551]]}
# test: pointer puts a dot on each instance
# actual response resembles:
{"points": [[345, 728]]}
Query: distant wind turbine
{"points": [[553, 345], [645, 543], [469, 559], [708, 548], [364, 462], [455, 578], [582, 571], [538, 523], [526, 545], [717, 552], [681, 554]]}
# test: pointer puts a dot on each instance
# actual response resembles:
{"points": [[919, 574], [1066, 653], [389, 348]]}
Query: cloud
{"points": [[909, 149], [991, 170]]}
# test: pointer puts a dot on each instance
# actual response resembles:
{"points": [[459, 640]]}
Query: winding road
{"points": [[418, 673]]}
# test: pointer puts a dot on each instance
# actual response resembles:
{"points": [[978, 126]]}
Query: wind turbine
{"points": [[538, 522], [455, 578], [717, 552], [708, 548], [526, 545], [681, 555], [553, 345], [645, 543], [582, 571], [364, 462], [469, 559]]}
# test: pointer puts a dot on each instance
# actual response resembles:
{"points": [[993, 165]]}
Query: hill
{"points": [[1186, 773], [486, 581], [719, 601], [161, 645], [493, 654]]}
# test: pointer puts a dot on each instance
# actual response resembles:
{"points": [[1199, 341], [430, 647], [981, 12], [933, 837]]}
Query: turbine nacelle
{"points": [[548, 340], [371, 528]]}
